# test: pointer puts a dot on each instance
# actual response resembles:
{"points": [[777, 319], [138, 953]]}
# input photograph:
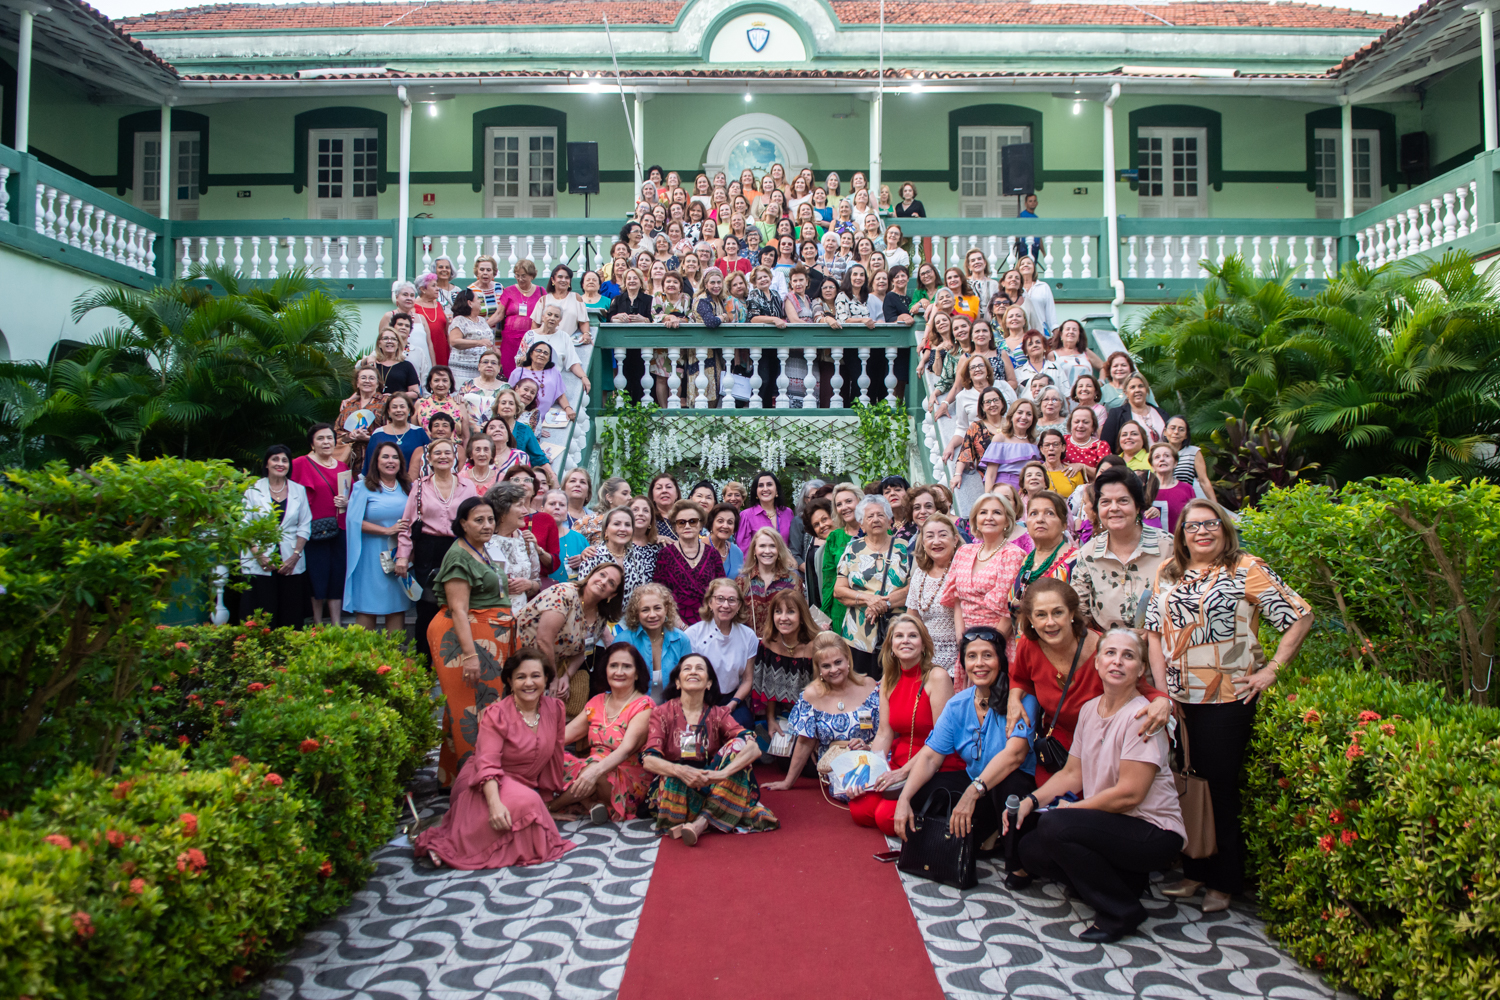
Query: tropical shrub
{"points": [[1406, 569], [157, 881], [88, 558], [1373, 819]]}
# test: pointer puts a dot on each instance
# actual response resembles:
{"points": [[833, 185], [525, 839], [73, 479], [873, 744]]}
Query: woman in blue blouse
{"points": [[652, 625], [841, 704], [973, 726]]}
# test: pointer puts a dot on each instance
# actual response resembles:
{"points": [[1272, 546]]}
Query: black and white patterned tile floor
{"points": [[558, 931], [989, 942]]}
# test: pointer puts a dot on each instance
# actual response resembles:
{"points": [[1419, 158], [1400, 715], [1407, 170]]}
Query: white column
{"points": [[1487, 74], [1111, 211], [403, 217], [23, 74], [640, 148], [1346, 158], [877, 141], [166, 161]]}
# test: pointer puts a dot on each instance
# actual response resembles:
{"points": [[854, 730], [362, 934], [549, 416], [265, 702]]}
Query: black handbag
{"points": [[931, 852], [324, 528], [1050, 752]]}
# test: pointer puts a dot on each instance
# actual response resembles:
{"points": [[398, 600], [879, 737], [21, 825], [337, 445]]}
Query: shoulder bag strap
{"points": [[1077, 655]]}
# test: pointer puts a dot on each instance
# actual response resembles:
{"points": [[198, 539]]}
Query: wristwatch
{"points": [[1034, 803], [980, 785]]}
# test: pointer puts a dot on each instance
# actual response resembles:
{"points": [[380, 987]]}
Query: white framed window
{"points": [[1173, 182], [343, 173], [522, 181], [185, 173], [979, 177], [1328, 172]]}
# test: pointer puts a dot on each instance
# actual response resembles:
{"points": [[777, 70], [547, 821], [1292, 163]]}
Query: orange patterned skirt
{"points": [[494, 639]]}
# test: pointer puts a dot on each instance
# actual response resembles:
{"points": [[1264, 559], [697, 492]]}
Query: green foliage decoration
{"points": [[624, 436], [885, 434]]}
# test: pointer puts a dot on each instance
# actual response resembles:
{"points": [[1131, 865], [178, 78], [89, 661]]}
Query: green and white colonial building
{"points": [[361, 139]]}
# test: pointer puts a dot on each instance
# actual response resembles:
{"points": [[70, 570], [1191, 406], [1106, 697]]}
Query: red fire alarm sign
{"points": [[429, 198]]}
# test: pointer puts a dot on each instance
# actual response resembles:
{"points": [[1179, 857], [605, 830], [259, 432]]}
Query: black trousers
{"points": [[866, 663], [426, 612], [1106, 857], [989, 808], [1219, 735], [284, 598]]}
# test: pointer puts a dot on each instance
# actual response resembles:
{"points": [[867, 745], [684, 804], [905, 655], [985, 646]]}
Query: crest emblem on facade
{"points": [[758, 35]]}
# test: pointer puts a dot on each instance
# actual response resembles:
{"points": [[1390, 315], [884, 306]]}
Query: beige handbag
{"points": [[1194, 801]]}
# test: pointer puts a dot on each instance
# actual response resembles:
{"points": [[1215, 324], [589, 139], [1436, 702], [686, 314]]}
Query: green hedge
{"points": [[1373, 816], [288, 749], [157, 881]]}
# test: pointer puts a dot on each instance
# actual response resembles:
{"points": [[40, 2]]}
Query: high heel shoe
{"points": [[1184, 889], [1215, 901], [1018, 880]]}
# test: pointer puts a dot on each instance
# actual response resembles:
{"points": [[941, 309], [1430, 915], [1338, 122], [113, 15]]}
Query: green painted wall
{"points": [[49, 290], [1451, 115]]}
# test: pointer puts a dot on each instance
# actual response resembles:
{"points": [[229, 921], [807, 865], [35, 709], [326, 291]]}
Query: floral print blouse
{"points": [[865, 570]]}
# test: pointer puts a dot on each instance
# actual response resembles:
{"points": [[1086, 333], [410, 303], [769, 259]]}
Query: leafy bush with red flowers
{"points": [[156, 881], [1373, 816]]}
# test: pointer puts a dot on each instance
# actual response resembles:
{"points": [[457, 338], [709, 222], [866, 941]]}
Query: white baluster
{"points": [[362, 262], [120, 255], [1310, 250], [1130, 271], [810, 380], [1291, 255], [726, 383], [1464, 218], [836, 382], [1330, 266], [1239, 249], [1219, 254], [239, 255], [85, 224], [495, 246], [1085, 263], [39, 216], [148, 263], [5, 194], [1150, 256], [755, 380], [1067, 261], [1168, 260], [1378, 251], [1424, 231], [273, 269], [343, 256], [426, 254], [864, 375], [1359, 240], [1255, 261], [1202, 253], [1436, 205], [1394, 238], [325, 261], [1413, 233], [993, 256], [1047, 251], [783, 401], [309, 263], [254, 257], [186, 264], [99, 248], [674, 382], [137, 246], [700, 381], [620, 374], [460, 263], [218, 251], [380, 256], [890, 378], [955, 248], [1275, 253], [648, 381], [1450, 221], [51, 219], [70, 221]]}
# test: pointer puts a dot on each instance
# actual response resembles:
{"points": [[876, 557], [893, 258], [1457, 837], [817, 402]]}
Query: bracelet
{"points": [[1034, 803], [467, 656]]}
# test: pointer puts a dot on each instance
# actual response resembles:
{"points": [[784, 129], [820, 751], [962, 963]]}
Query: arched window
{"points": [[755, 141]]}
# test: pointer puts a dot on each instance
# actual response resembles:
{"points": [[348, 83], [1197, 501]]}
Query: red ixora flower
{"points": [[1348, 837], [1283, 783], [189, 824], [181, 645], [1291, 697], [383, 669], [325, 869], [83, 924], [156, 689], [221, 704], [116, 838], [1355, 751], [122, 789], [1312, 717], [191, 861], [1388, 728], [183, 741], [1336, 817], [308, 746], [1369, 716], [137, 885], [1326, 843], [273, 779], [59, 840], [255, 686]]}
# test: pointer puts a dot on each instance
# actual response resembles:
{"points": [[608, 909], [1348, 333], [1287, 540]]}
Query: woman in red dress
{"points": [[499, 815], [913, 691]]}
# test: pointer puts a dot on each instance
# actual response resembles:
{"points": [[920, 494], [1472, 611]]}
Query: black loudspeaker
{"points": [[1016, 169], [583, 168], [1414, 157]]}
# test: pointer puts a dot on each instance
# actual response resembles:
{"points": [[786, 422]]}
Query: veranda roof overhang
{"points": [[75, 40], [1425, 46]]}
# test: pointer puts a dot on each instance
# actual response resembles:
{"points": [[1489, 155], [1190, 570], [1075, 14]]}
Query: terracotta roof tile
{"points": [[234, 16], [1368, 50]]}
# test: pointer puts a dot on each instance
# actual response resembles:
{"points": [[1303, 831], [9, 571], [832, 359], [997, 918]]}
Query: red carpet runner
{"points": [[803, 911]]}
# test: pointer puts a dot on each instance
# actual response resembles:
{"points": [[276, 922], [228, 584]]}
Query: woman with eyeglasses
{"points": [[1203, 629], [729, 645], [687, 563]]}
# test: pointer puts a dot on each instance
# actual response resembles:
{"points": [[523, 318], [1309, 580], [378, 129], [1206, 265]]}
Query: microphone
{"points": [[1013, 815], [1013, 811]]}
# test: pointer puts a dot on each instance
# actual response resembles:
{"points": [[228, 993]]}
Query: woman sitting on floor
{"points": [[841, 704], [499, 815], [610, 781], [701, 758]]}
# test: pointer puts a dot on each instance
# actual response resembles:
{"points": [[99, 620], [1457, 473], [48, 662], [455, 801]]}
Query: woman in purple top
{"points": [[536, 365], [517, 308], [1011, 448], [1164, 489], [768, 512]]}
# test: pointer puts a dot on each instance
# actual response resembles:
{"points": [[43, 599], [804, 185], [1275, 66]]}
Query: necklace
{"points": [[923, 608], [529, 723], [982, 558]]}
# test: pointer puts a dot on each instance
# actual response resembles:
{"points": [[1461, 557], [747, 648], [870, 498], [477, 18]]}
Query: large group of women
{"points": [[1032, 628]]}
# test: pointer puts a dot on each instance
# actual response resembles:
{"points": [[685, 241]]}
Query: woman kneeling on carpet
{"points": [[973, 727], [499, 816], [1127, 823], [610, 781], [913, 693], [701, 758]]}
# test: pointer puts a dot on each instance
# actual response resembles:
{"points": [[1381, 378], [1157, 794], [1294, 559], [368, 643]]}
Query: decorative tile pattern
{"points": [[991, 942], [559, 930]]}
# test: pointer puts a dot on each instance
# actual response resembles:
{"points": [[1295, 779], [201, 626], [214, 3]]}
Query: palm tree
{"points": [[190, 373]]}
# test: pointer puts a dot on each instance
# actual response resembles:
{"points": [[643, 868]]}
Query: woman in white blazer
{"points": [[278, 581]]}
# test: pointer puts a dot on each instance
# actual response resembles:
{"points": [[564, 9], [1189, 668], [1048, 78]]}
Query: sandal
{"points": [[599, 814], [690, 836]]}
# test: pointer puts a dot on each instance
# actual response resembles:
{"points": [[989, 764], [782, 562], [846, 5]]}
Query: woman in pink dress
{"points": [[517, 308], [610, 781], [499, 814], [981, 573]]}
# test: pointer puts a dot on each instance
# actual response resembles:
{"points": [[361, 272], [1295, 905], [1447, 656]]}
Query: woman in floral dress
{"points": [[611, 780]]}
